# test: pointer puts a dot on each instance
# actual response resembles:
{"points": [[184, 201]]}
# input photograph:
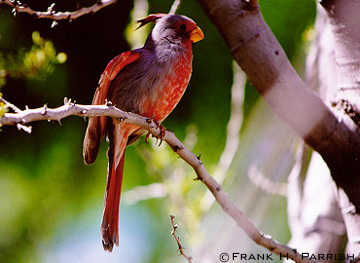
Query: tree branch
{"points": [[259, 54], [17, 110], [52, 14], [72, 109], [174, 6], [177, 239], [334, 68], [10, 105]]}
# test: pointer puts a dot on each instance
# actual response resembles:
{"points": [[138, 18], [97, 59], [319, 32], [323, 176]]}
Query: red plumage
{"points": [[149, 81]]}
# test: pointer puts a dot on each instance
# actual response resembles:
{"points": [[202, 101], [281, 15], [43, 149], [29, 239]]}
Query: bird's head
{"points": [[175, 29]]}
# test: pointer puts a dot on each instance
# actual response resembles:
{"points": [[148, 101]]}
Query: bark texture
{"points": [[316, 220], [333, 69]]}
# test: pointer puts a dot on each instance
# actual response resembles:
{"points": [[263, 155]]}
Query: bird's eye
{"points": [[183, 27]]}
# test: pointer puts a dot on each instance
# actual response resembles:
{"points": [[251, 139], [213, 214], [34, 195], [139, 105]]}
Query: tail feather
{"points": [[110, 223], [94, 132], [109, 226]]}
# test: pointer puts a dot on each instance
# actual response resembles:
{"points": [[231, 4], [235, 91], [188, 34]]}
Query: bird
{"points": [[149, 81]]}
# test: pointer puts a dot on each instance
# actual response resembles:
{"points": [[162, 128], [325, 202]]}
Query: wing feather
{"points": [[96, 128]]}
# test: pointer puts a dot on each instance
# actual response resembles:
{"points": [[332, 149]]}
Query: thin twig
{"points": [[10, 105], [177, 239], [174, 6], [72, 109], [27, 129], [20, 126], [54, 15]]}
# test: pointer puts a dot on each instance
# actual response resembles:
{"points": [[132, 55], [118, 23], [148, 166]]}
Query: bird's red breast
{"points": [[170, 90]]}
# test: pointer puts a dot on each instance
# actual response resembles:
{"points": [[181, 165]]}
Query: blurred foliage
{"points": [[49, 198], [2, 107], [37, 63]]}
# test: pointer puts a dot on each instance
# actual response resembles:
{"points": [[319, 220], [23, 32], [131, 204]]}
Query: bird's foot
{"points": [[162, 132], [160, 136]]}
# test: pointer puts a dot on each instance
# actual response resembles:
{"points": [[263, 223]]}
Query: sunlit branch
{"points": [[56, 15], [174, 6], [9, 105], [72, 109], [17, 110]]}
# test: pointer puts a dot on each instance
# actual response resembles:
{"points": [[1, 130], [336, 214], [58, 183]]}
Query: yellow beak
{"points": [[196, 35]]}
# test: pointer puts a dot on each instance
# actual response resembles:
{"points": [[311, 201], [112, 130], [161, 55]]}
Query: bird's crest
{"points": [[150, 18]]}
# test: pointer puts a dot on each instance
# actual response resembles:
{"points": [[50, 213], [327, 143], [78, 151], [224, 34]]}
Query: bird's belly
{"points": [[167, 94]]}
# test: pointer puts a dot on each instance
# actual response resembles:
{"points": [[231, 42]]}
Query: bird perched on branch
{"points": [[149, 81]]}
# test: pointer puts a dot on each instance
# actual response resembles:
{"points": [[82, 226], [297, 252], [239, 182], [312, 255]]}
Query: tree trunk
{"points": [[329, 130]]}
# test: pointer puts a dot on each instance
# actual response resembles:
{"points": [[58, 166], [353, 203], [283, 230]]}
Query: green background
{"points": [[51, 203]]}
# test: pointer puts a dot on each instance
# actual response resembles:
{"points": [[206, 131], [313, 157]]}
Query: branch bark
{"points": [[339, 50], [72, 109], [54, 15], [316, 221], [259, 54], [177, 239], [174, 6]]}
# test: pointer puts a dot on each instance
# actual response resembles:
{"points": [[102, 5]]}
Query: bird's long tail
{"points": [[118, 137]]}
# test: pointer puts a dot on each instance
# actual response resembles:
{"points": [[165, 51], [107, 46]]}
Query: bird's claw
{"points": [[160, 136], [162, 133]]}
